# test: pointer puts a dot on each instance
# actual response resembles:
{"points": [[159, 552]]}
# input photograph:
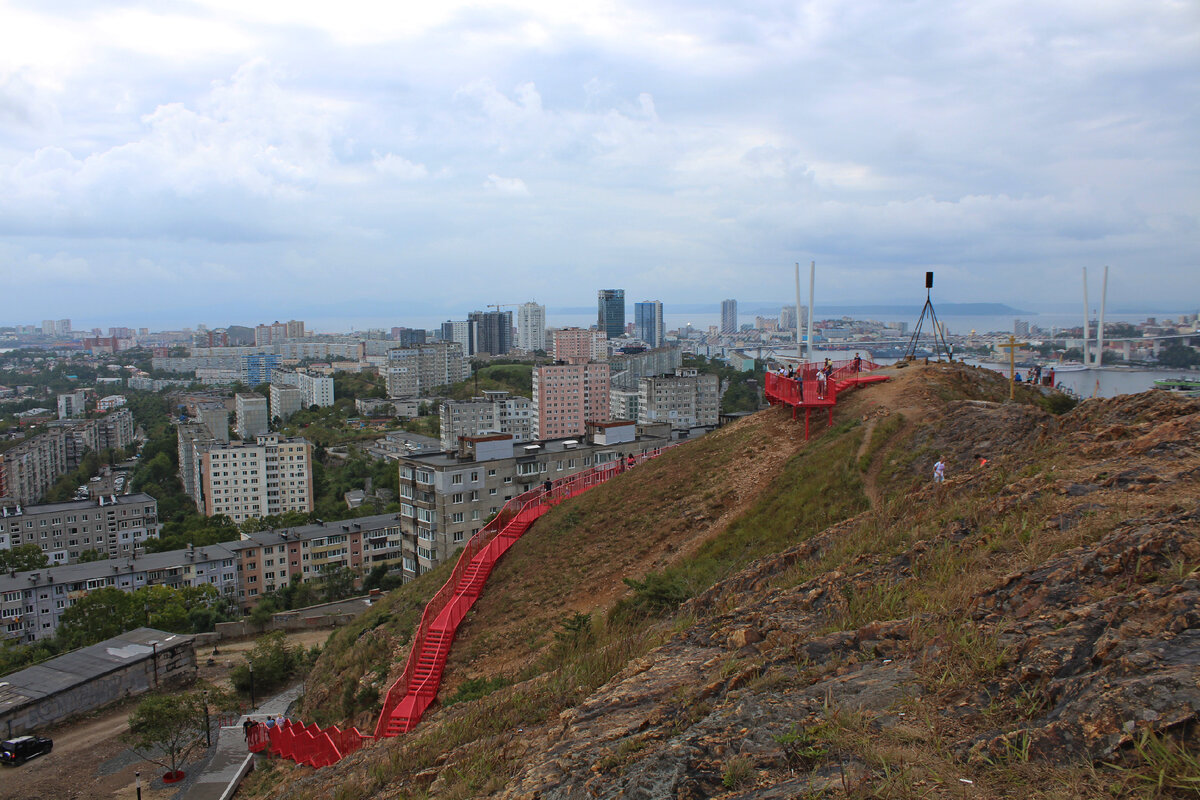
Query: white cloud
{"points": [[399, 167], [510, 187], [702, 139]]}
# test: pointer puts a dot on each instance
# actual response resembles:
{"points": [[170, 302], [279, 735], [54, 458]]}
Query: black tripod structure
{"points": [[939, 338]]}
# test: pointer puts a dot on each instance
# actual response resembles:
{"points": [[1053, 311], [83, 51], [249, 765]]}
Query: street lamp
{"points": [[252, 703], [137, 777], [207, 730]]}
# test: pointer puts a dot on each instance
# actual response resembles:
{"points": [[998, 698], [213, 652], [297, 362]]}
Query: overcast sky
{"points": [[246, 160]]}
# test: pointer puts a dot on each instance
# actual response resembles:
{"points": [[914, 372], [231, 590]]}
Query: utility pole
{"points": [[207, 727]]}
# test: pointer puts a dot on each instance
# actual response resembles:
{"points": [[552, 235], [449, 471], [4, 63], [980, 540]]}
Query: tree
{"points": [[1178, 356], [91, 555], [274, 662], [165, 729], [338, 582], [23, 558]]}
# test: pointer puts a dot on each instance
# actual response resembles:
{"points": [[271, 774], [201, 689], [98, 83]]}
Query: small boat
{"points": [[1178, 384], [1070, 366]]}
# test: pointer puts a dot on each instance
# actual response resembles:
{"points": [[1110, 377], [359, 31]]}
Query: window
{"points": [[458, 536], [458, 517], [456, 479], [457, 498]]}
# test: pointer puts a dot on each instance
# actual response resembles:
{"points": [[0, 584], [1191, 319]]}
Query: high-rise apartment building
{"points": [[71, 404], [494, 329], [407, 337], [316, 390], [252, 419], [648, 321], [256, 368], [465, 332], [729, 316], [686, 399], [531, 327], [610, 316], [265, 477], [285, 401], [568, 396], [28, 469], [419, 371], [576, 345], [787, 318]]}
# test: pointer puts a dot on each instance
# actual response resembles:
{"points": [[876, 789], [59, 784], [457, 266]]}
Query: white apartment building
{"points": [[71, 405], [623, 403], [317, 389], [244, 480], [531, 327], [285, 401], [252, 419], [686, 399], [418, 371], [568, 396]]}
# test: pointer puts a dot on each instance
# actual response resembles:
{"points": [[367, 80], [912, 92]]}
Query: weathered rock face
{"points": [[1102, 653]]}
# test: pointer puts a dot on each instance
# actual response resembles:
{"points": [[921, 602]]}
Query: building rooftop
{"points": [[76, 573], [314, 531], [138, 498], [81, 666], [564, 445]]}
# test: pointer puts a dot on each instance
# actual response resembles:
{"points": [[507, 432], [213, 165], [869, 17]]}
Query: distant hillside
{"points": [[752, 615]]}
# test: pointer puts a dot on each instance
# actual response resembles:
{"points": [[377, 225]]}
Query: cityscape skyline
{"points": [[373, 160]]}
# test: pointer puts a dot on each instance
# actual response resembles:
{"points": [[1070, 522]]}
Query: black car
{"points": [[19, 750]]}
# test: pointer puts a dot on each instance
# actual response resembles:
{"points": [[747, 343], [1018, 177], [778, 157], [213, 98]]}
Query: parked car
{"points": [[14, 752]]}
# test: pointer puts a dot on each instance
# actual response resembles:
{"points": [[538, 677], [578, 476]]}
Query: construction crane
{"points": [[499, 306]]}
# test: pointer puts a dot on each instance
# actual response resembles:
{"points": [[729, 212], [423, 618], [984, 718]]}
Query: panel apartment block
{"points": [[575, 344], [686, 399], [115, 525], [32, 603], [243, 480], [419, 371], [568, 396], [447, 497], [252, 419]]}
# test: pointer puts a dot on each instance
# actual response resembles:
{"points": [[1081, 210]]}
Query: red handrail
{"points": [[318, 747], [514, 519]]}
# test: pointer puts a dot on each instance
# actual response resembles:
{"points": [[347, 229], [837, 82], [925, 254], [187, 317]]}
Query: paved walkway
{"points": [[230, 752]]}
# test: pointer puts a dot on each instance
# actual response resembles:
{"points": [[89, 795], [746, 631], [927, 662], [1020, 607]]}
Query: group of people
{"points": [[271, 722], [1035, 376], [823, 375]]}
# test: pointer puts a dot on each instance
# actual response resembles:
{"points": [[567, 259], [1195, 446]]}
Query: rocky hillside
{"points": [[755, 616]]}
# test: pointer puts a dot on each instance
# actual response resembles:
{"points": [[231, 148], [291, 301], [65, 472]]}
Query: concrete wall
{"points": [[326, 615], [175, 665]]}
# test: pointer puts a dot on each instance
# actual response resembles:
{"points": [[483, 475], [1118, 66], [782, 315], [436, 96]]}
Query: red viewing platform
{"points": [[805, 390]]}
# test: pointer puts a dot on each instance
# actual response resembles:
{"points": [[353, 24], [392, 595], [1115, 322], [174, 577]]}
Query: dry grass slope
{"points": [[752, 616]]}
